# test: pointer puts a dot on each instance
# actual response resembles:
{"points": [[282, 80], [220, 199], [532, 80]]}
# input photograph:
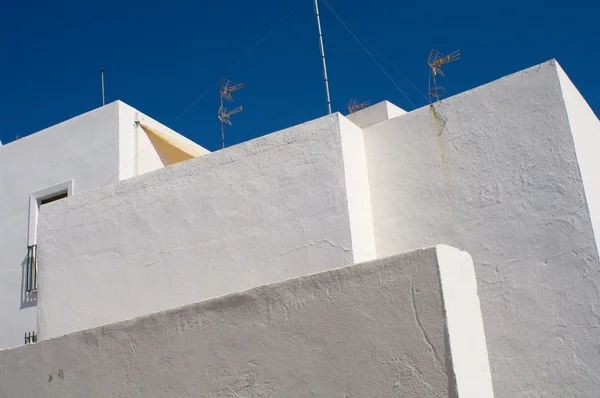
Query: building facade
{"points": [[505, 172], [98, 148]]}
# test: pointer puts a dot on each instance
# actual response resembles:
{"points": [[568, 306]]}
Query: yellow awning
{"points": [[171, 149]]}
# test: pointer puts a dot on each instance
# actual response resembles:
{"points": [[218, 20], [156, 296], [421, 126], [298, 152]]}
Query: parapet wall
{"points": [[260, 212], [404, 326]]}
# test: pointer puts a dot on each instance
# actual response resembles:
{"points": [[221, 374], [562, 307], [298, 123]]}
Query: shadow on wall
{"points": [[28, 299]]}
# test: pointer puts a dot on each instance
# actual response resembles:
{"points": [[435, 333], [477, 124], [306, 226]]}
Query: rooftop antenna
{"points": [[102, 78], [225, 89], [435, 61], [354, 105], [323, 57]]}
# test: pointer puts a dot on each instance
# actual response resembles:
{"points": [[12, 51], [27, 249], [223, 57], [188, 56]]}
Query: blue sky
{"points": [[160, 57]]}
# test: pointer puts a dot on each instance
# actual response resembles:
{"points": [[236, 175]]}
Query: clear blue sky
{"points": [[161, 56]]}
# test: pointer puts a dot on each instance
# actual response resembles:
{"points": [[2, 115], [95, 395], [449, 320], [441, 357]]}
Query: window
{"points": [[44, 197], [31, 270], [36, 200], [53, 198]]}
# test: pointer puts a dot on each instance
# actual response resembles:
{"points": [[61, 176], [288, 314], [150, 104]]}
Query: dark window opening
{"points": [[53, 198], [31, 271]]}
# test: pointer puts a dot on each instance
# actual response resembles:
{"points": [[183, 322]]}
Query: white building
{"points": [[506, 171], [100, 147]]}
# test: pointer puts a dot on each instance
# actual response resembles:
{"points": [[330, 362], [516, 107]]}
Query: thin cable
{"points": [[239, 61], [392, 66], [390, 63], [369, 53], [429, 88]]}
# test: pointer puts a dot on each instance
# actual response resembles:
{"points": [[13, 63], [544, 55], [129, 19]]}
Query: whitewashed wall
{"points": [[405, 326], [494, 171], [585, 128], [88, 151], [259, 212], [83, 149], [358, 192]]}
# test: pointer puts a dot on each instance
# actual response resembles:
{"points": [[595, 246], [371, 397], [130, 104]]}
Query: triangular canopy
{"points": [[171, 149]]}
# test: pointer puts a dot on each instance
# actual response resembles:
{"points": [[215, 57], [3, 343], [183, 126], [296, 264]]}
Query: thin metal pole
{"points": [[222, 127], [29, 266], [323, 57], [102, 77]]}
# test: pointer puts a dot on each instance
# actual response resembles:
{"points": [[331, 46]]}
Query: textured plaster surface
{"points": [[259, 212], [86, 152], [493, 171], [82, 149], [585, 128], [370, 330], [376, 113]]}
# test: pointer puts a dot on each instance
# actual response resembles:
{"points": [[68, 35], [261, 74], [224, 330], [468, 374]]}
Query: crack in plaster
{"points": [[579, 325], [315, 244], [240, 260], [585, 365], [567, 216], [421, 329]]}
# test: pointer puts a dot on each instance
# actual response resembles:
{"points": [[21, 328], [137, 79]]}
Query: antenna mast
{"points": [[227, 87], [323, 57], [355, 106], [435, 62], [102, 78]]}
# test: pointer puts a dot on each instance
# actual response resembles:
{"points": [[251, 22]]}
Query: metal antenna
{"points": [[435, 62], [102, 78], [323, 57], [354, 105], [225, 89]]}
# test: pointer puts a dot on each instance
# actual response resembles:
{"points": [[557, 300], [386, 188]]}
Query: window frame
{"points": [[35, 201]]}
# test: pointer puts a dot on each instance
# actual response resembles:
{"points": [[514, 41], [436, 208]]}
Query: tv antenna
{"points": [[354, 105], [435, 61], [102, 83], [225, 114], [225, 89]]}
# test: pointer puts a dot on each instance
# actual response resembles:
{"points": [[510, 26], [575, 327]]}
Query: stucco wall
{"points": [[83, 149], [585, 128], [259, 212], [493, 171], [370, 330]]}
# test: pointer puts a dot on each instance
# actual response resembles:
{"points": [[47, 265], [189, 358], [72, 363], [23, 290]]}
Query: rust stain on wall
{"points": [[438, 126]]}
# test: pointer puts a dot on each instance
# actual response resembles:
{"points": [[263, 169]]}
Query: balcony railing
{"points": [[31, 271]]}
